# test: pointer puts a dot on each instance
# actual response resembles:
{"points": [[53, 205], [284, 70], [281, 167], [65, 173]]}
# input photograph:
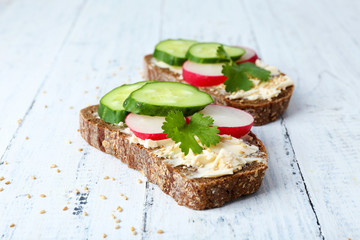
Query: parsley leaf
{"points": [[178, 130], [238, 74]]}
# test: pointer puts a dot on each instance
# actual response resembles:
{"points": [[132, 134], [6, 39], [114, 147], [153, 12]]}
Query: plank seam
{"points": [[287, 137]]}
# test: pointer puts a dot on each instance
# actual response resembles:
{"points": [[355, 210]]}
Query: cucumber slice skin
{"points": [[168, 58], [144, 108], [213, 59], [111, 114]]}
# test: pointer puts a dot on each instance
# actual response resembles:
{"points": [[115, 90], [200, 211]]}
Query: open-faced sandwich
{"points": [[202, 155], [233, 76]]}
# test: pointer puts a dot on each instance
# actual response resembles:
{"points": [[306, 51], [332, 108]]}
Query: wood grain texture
{"points": [[69, 48]]}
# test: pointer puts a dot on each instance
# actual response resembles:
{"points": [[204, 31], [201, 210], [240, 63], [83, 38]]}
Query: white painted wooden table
{"points": [[58, 56]]}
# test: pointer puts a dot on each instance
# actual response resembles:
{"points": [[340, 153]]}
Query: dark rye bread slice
{"points": [[263, 111], [198, 193]]}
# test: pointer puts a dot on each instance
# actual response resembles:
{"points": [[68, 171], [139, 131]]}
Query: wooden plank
{"points": [[322, 121], [104, 49], [31, 36], [281, 208]]}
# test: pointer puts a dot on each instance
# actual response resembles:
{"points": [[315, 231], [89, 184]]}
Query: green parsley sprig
{"points": [[178, 130], [238, 74]]}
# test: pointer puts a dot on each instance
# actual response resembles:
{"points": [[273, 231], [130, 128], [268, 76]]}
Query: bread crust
{"points": [[263, 111], [196, 193]]}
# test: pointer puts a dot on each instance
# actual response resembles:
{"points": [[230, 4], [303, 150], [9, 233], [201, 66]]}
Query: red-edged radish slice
{"points": [[146, 127], [230, 121], [249, 56], [203, 75]]}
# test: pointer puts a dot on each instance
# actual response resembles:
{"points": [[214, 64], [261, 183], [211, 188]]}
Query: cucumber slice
{"points": [[206, 53], [111, 108], [172, 51], [159, 98]]}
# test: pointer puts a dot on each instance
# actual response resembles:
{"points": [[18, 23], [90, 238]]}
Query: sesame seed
{"points": [[113, 178], [58, 170], [160, 231], [45, 106], [28, 196], [33, 177], [117, 226], [132, 229], [78, 130], [12, 225], [113, 216], [2, 178], [69, 142], [139, 180], [71, 107], [85, 213], [26, 138], [42, 195], [1, 189], [7, 182], [53, 166], [104, 235], [19, 120], [77, 191], [119, 209], [86, 188], [117, 220], [65, 208], [42, 211], [121, 194], [125, 197], [5, 163], [106, 177], [80, 149], [102, 197], [134, 233]]}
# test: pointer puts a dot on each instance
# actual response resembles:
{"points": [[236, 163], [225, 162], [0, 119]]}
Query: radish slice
{"points": [[146, 127], [203, 75], [230, 121], [249, 56]]}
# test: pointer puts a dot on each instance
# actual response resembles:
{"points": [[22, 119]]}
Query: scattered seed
{"points": [[42, 195], [80, 149], [97, 87], [106, 177], [125, 197], [85, 92], [33, 177], [19, 120], [117, 221], [2, 178], [85, 213], [42, 211], [60, 100], [160, 231], [53, 166], [45, 106], [77, 191], [113, 178], [71, 107], [58, 170], [102, 197], [12, 225], [119, 209], [7, 182], [5, 163], [113, 216], [44, 92], [65, 208], [28, 196], [69, 142], [139, 180], [26, 138], [104, 235], [121, 194], [134, 233], [117, 226], [132, 229], [78, 130], [120, 68], [1, 189]]}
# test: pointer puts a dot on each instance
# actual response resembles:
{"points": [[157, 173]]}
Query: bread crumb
{"points": [[7, 182], [12, 225], [26, 138], [65, 208], [53, 166], [69, 142], [103, 197], [117, 220], [117, 226], [19, 120], [42, 195], [104, 235], [28, 196], [106, 177], [86, 214], [139, 180], [58, 170], [42, 211], [160, 231], [1, 189], [33, 177], [80, 149], [2, 178]]}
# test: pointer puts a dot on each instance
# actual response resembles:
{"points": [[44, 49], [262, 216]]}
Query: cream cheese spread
{"points": [[228, 156], [162, 64]]}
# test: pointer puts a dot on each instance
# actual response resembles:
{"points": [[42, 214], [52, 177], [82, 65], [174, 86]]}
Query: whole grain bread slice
{"points": [[263, 111], [195, 193]]}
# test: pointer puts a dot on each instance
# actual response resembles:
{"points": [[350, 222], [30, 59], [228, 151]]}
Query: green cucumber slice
{"points": [[206, 53], [173, 51], [159, 98], [111, 108]]}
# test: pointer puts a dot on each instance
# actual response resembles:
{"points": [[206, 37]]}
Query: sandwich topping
{"points": [[227, 157]]}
